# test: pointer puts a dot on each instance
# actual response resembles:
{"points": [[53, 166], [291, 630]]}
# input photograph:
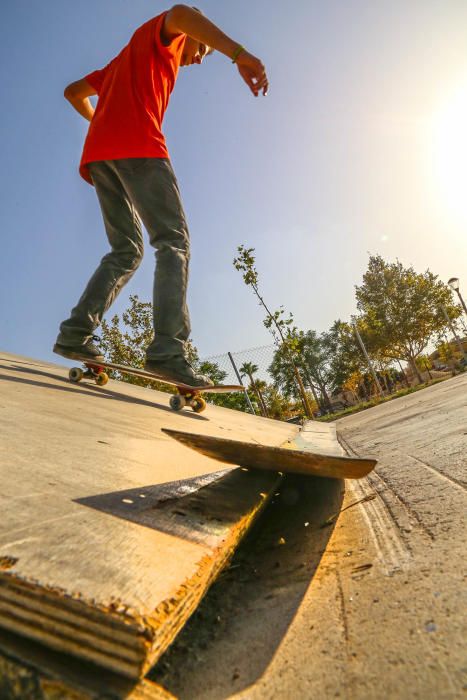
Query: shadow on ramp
{"points": [[233, 637], [195, 509], [89, 389]]}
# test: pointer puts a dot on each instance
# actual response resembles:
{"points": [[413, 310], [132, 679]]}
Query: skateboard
{"points": [[187, 395], [278, 459]]}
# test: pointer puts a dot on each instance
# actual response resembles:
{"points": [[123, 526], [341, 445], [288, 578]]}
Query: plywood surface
{"points": [[110, 531]]}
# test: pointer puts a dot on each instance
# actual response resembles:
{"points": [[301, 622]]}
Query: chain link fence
{"points": [[251, 369], [254, 361]]}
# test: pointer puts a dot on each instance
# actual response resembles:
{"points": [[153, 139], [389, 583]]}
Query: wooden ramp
{"points": [[111, 532], [144, 591]]}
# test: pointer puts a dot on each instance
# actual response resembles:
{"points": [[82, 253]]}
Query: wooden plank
{"points": [[32, 671], [275, 459]]}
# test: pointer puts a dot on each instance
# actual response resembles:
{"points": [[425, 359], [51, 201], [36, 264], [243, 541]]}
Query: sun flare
{"points": [[450, 152]]}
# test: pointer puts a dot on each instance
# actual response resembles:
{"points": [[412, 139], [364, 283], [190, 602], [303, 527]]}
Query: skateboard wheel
{"points": [[75, 374], [177, 402], [198, 404], [101, 379]]}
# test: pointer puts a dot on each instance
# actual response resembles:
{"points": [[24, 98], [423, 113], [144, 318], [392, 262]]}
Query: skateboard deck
{"points": [[278, 459], [186, 395]]}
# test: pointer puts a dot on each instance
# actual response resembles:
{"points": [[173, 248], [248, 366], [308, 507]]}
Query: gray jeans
{"points": [[131, 190]]}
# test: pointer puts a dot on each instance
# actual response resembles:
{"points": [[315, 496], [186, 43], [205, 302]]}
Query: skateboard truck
{"points": [[96, 372]]}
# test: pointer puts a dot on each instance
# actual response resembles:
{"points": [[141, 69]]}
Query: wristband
{"points": [[237, 53]]}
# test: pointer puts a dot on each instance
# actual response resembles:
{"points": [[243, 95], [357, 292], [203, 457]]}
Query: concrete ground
{"points": [[364, 605]]}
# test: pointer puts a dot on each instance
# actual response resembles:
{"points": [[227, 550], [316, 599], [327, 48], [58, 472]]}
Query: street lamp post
{"points": [[454, 284], [444, 311], [369, 362]]}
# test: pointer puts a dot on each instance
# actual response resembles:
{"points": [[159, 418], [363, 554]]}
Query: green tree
{"points": [[449, 354], [275, 321], [248, 369], [279, 407], [402, 309], [345, 359], [283, 375], [313, 361], [424, 364], [212, 370], [352, 384], [125, 341]]}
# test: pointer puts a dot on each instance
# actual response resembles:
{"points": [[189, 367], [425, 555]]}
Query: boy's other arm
{"points": [[78, 94], [182, 19]]}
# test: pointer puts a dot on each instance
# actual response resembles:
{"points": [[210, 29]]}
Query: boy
{"points": [[126, 159]]}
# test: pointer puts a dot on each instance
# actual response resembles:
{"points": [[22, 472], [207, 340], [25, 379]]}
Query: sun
{"points": [[450, 152]]}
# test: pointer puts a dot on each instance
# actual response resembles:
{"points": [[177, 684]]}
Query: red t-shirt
{"points": [[133, 90]]}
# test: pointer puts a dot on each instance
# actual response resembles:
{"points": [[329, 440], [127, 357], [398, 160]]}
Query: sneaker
{"points": [[177, 369], [78, 351]]}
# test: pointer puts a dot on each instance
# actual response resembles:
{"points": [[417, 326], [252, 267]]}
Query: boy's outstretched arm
{"points": [[78, 94], [182, 19]]}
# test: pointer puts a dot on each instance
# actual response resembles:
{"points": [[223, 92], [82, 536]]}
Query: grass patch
{"points": [[376, 401]]}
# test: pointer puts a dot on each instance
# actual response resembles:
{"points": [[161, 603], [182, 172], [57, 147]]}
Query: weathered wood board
{"points": [[267, 458], [32, 671], [111, 532]]}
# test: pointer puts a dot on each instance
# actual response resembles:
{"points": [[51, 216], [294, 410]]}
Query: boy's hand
{"points": [[253, 73]]}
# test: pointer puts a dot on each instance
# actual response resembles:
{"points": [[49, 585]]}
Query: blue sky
{"points": [[359, 148]]}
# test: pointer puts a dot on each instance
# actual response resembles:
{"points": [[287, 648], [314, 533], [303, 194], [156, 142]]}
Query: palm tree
{"points": [[259, 386], [249, 369]]}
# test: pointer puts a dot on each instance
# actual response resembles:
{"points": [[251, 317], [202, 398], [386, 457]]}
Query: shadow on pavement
{"points": [[90, 388], [235, 633]]}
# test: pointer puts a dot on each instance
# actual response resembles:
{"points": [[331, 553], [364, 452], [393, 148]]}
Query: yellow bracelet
{"points": [[237, 53]]}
